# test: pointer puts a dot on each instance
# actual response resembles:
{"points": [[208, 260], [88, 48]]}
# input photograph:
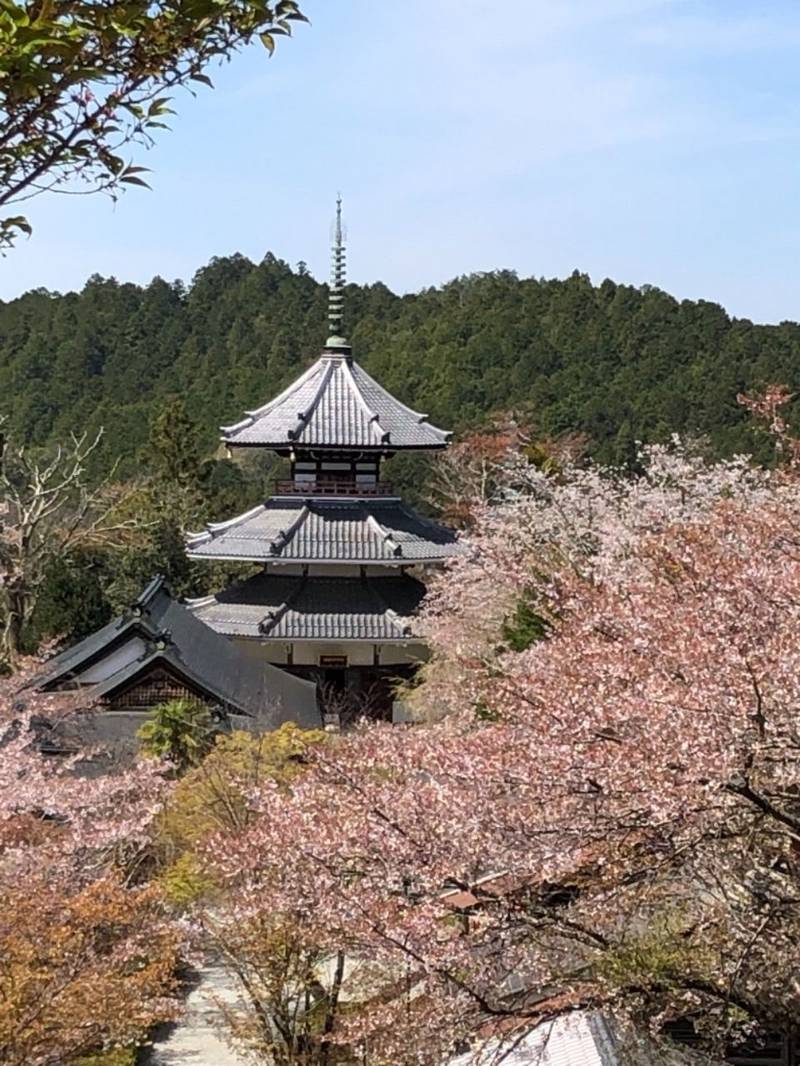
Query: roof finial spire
{"points": [[338, 272]]}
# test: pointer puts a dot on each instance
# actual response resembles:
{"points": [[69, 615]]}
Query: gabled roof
{"points": [[315, 608], [298, 530], [167, 634], [335, 404]]}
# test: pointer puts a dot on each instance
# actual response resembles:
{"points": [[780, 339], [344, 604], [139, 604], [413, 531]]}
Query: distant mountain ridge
{"points": [[615, 362]]}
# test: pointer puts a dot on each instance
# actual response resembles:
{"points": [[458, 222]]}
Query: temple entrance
{"points": [[350, 694], [334, 680], [333, 688]]}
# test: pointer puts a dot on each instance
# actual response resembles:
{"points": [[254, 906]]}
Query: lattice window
{"points": [[158, 688]]}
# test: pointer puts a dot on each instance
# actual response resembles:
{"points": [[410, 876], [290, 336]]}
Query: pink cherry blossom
{"points": [[606, 818]]}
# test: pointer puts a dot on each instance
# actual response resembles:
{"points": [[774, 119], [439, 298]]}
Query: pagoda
{"points": [[342, 557]]}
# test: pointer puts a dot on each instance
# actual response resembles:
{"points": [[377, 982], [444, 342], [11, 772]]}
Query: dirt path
{"points": [[198, 1040]]}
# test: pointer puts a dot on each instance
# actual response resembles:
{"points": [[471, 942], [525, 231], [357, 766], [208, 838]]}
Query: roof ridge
{"points": [[271, 618], [419, 415], [259, 412], [372, 416], [212, 528], [69, 661], [304, 417], [285, 535], [192, 603], [405, 629], [149, 591], [384, 534]]}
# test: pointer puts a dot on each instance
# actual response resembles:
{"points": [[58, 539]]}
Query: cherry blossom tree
{"points": [[581, 519], [88, 953], [477, 469], [766, 408], [607, 818], [466, 475], [280, 966]]}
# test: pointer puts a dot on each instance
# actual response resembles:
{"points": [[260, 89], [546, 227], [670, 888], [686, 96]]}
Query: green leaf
{"points": [[159, 107], [108, 65], [17, 222], [131, 179], [288, 9], [17, 12], [134, 109]]}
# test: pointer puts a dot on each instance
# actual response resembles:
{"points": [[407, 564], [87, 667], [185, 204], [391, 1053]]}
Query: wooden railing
{"points": [[333, 488]]}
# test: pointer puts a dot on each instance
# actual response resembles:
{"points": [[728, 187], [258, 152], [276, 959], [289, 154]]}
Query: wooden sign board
{"points": [[333, 661]]}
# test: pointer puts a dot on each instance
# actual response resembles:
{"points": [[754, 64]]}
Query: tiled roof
{"points": [[299, 530], [335, 404], [174, 636], [314, 608], [580, 1039]]}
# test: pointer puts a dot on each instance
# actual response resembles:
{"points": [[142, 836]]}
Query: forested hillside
{"points": [[614, 362]]}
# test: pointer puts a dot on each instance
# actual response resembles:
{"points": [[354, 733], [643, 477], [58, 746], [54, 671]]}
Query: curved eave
{"points": [[344, 498], [277, 560], [335, 404], [267, 639], [298, 445], [395, 537]]}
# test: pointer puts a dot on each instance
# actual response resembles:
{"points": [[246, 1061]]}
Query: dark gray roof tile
{"points": [[178, 638], [315, 608], [335, 404], [297, 530]]}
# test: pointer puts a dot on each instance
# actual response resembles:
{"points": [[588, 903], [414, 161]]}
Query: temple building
{"points": [[157, 651], [342, 557]]}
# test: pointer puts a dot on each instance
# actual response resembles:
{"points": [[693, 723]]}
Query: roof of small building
{"points": [[308, 530], [315, 608], [170, 635], [584, 1038], [335, 404], [581, 1039]]}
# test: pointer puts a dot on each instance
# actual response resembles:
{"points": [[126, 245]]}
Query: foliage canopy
{"points": [[81, 81], [181, 731], [613, 362]]}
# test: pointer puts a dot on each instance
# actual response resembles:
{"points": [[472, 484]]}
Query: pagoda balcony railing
{"points": [[333, 488]]}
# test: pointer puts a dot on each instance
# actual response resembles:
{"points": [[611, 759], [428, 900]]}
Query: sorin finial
{"points": [[338, 272]]}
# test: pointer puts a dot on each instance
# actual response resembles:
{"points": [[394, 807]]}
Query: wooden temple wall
{"points": [[356, 653]]}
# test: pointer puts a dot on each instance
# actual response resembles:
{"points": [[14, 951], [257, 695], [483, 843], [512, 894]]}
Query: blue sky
{"points": [[651, 141]]}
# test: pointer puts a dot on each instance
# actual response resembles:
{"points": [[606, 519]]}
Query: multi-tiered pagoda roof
{"points": [[310, 529], [341, 553], [340, 609], [335, 405]]}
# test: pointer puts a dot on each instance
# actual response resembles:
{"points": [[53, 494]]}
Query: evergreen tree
{"points": [[613, 362], [162, 366]]}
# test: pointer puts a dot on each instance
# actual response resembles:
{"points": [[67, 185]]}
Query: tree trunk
{"points": [[330, 1014], [17, 608]]}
